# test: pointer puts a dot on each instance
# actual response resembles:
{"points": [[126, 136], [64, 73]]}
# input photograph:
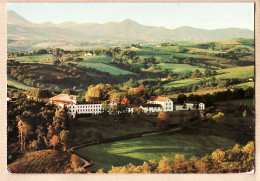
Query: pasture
{"points": [[231, 103], [181, 83], [98, 63], [105, 68], [245, 84], [179, 68], [96, 127], [138, 150], [43, 59], [14, 83], [236, 72]]}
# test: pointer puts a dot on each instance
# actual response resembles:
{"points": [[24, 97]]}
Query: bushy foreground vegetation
{"points": [[220, 161]]}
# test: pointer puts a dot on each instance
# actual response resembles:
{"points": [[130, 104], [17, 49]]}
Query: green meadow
{"points": [[179, 68], [15, 83], [35, 58], [236, 72], [181, 83], [138, 150]]}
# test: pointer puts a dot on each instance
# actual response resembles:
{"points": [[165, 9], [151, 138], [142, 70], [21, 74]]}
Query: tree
{"points": [[163, 121], [54, 141], [64, 138], [24, 131], [164, 166], [75, 162], [181, 98], [219, 117]]}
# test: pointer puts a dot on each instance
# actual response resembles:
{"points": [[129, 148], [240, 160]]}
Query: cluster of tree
{"points": [[209, 99], [198, 74], [241, 55], [35, 126], [34, 52], [235, 160], [104, 92], [165, 44], [180, 49], [39, 93]]}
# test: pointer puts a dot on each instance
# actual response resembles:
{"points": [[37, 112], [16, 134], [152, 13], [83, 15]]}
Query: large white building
{"points": [[166, 103], [154, 104], [190, 105]]}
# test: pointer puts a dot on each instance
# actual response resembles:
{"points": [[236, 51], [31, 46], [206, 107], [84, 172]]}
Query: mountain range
{"points": [[19, 28]]}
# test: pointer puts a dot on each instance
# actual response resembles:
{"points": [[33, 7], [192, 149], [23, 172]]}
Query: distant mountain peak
{"points": [[129, 21]]}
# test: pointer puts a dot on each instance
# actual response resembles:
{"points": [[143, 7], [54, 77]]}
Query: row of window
{"points": [[87, 110], [96, 106]]}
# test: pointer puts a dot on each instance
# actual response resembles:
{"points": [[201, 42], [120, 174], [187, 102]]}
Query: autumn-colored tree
{"points": [[163, 119], [163, 116], [179, 164], [244, 114], [64, 138], [75, 161], [219, 117], [24, 131], [100, 170], [125, 101], [138, 110], [164, 165], [99, 91], [54, 141], [59, 120], [220, 161]]}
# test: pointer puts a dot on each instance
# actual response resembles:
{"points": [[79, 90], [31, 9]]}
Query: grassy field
{"points": [[230, 103], [179, 68], [96, 127], [14, 83], [181, 83], [35, 58], [98, 63], [105, 68], [236, 72], [138, 150], [98, 59], [245, 84]]}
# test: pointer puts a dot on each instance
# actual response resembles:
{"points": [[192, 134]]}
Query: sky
{"points": [[168, 15]]}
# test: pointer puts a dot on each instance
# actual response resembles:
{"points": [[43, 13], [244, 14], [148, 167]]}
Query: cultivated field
{"points": [[98, 63], [138, 150], [35, 58], [236, 72], [179, 68], [181, 83], [14, 83]]}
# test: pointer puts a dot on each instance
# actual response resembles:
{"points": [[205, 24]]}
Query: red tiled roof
{"points": [[62, 101], [58, 97], [158, 98]]}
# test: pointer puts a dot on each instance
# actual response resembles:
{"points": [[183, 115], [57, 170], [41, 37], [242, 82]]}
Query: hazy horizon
{"points": [[208, 16]]}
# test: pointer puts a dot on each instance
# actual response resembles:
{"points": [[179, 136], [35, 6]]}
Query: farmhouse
{"points": [[166, 103], [190, 105]]}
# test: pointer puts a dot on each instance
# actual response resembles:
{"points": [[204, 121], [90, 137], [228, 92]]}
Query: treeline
{"points": [[235, 160], [210, 99], [103, 92]]}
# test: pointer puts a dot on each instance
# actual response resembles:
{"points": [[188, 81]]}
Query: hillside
{"points": [[127, 30], [44, 161]]}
